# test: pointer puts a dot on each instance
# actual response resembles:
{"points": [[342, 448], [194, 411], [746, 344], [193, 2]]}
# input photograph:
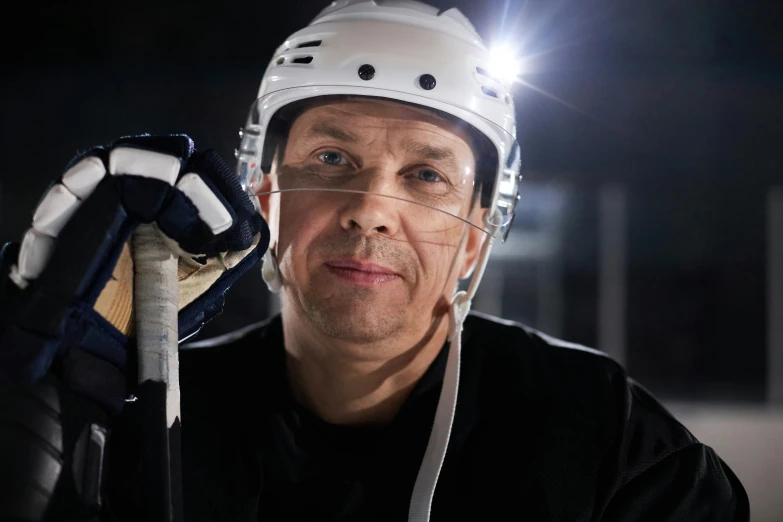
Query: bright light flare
{"points": [[504, 64]]}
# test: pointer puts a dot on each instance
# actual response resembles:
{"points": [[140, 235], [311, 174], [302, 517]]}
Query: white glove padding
{"points": [[79, 182], [193, 198]]}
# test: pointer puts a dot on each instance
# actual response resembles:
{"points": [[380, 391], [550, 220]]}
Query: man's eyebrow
{"points": [[324, 129], [430, 152]]}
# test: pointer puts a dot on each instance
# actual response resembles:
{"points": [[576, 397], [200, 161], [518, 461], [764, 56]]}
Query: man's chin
{"points": [[360, 324]]}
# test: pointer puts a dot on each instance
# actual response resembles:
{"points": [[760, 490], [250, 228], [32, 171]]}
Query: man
{"points": [[381, 153]]}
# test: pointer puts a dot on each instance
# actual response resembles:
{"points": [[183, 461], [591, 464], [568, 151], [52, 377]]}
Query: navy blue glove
{"points": [[49, 284]]}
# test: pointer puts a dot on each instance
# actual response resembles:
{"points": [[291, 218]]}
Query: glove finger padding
{"points": [[195, 200], [195, 218], [86, 218]]}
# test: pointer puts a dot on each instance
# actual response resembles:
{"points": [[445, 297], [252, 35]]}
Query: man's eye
{"points": [[331, 157], [430, 176]]}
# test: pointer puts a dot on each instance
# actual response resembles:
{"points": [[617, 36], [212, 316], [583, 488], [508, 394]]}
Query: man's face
{"points": [[364, 268]]}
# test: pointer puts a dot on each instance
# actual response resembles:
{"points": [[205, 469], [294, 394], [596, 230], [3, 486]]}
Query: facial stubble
{"points": [[354, 313]]}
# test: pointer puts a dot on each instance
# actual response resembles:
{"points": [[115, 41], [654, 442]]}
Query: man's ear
{"points": [[264, 198], [475, 239]]}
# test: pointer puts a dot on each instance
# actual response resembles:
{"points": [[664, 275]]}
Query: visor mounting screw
{"points": [[366, 72], [427, 82]]}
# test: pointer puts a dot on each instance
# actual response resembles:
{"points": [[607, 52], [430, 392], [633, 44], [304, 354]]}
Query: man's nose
{"points": [[373, 211]]}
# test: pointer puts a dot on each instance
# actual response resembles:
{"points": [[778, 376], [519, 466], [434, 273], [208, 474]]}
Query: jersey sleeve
{"points": [[692, 484], [663, 473]]}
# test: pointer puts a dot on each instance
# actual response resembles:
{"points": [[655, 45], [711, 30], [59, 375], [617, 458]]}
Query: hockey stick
{"points": [[156, 299]]}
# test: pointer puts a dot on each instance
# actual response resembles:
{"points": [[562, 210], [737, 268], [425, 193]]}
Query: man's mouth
{"points": [[361, 272]]}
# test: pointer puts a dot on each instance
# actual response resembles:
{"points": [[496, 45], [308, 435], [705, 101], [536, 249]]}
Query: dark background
{"points": [[680, 102]]}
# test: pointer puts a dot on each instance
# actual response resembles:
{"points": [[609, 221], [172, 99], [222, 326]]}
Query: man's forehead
{"points": [[340, 116]]}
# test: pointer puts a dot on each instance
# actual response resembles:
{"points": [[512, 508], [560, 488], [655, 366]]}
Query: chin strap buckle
{"points": [[458, 311]]}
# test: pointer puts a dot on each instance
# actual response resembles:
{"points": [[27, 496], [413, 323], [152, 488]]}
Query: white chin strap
{"points": [[427, 479]]}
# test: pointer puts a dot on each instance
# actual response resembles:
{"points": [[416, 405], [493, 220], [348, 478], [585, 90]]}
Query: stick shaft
{"points": [[156, 299]]}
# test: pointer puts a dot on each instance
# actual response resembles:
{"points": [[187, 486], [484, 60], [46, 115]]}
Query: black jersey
{"points": [[544, 431]]}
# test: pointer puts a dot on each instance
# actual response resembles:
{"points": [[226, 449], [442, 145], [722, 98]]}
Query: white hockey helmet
{"points": [[401, 50]]}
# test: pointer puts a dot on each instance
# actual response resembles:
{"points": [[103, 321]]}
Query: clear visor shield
{"points": [[419, 183]]}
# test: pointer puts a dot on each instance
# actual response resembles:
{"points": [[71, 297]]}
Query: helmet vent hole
{"points": [[302, 59], [280, 61], [483, 72], [488, 91], [314, 43]]}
